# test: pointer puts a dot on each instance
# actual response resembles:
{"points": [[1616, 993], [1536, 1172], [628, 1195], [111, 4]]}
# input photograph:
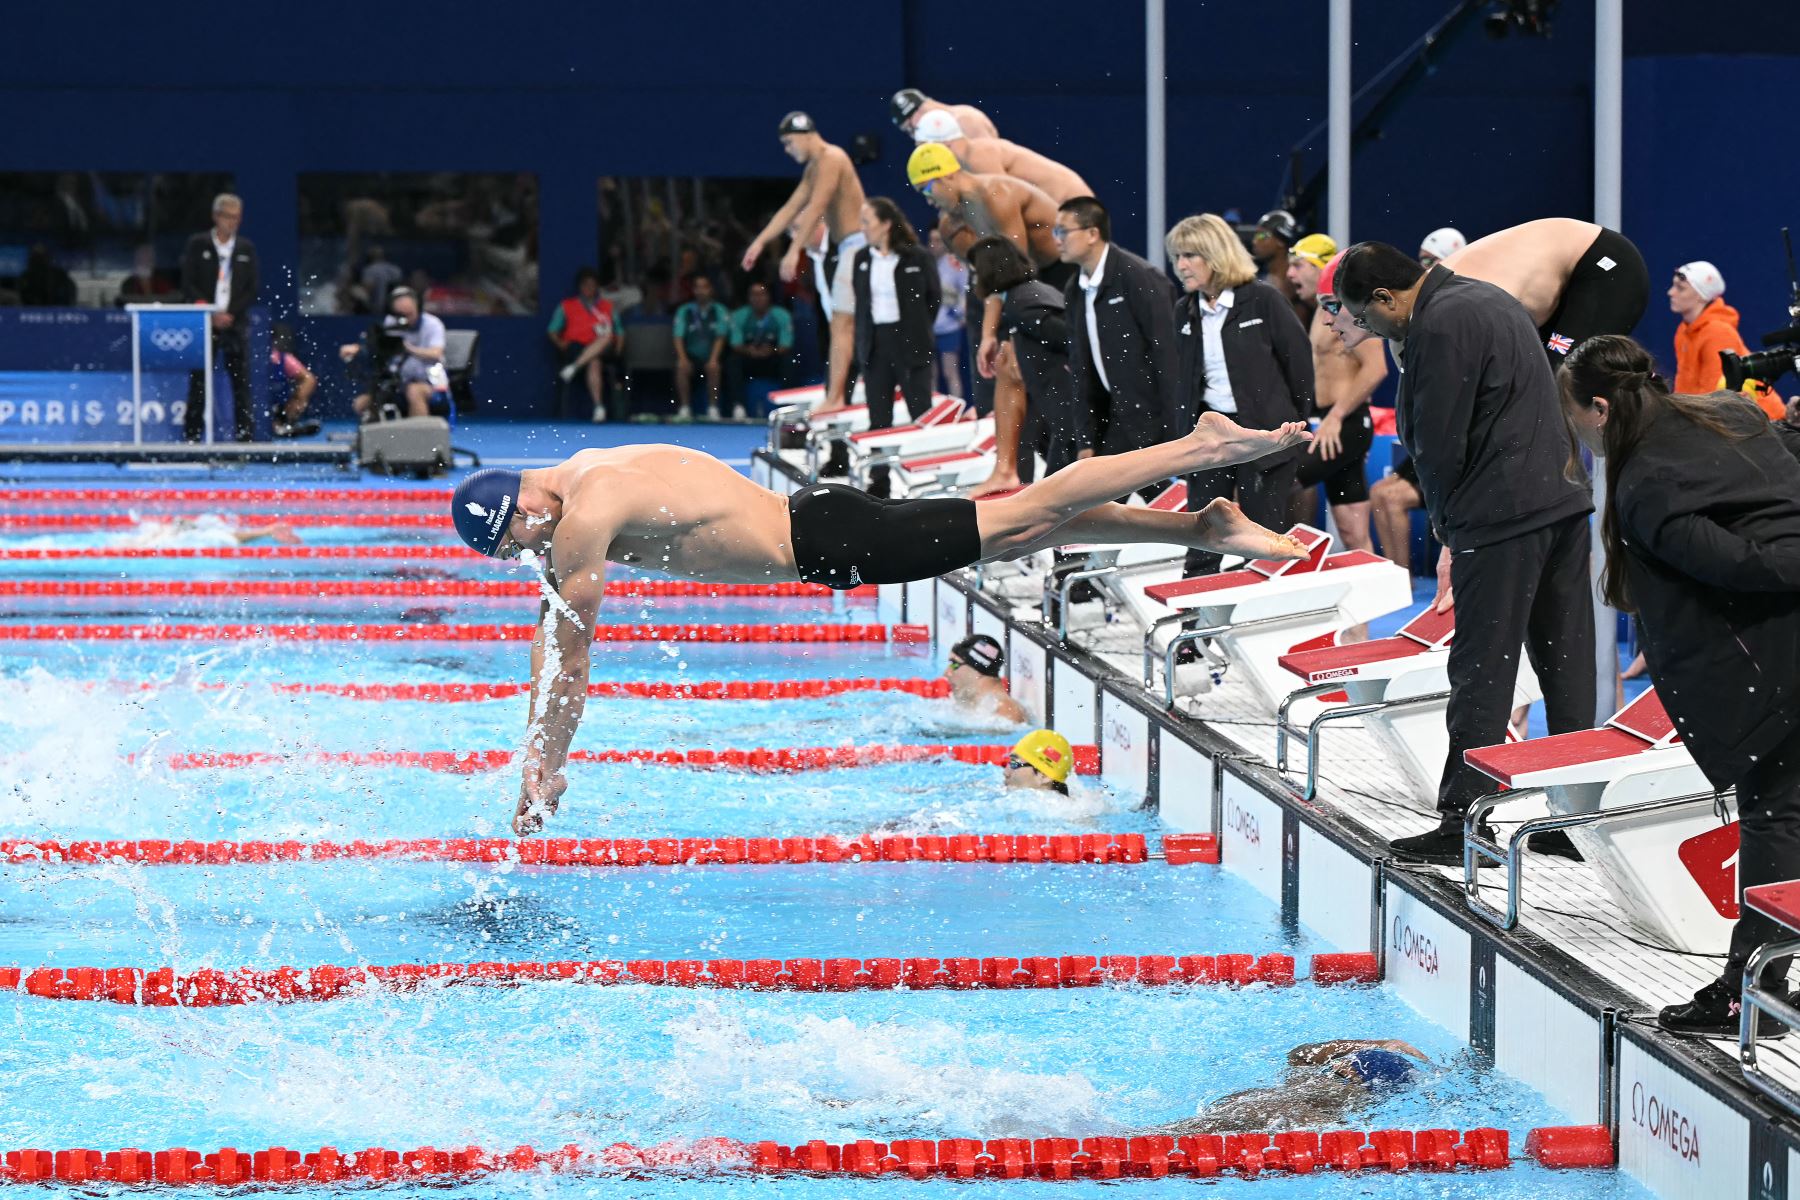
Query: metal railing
{"points": [[1284, 728], [1776, 1005], [1188, 637]]}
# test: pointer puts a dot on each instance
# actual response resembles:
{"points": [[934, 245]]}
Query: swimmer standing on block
{"points": [[685, 513]]}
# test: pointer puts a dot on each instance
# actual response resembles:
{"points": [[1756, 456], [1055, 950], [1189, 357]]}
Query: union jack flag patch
{"points": [[1561, 343]]}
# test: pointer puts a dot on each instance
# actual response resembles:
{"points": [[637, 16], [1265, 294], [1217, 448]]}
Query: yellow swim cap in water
{"points": [[1048, 751], [930, 160]]}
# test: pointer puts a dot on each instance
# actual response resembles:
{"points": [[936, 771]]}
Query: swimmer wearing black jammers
{"points": [[684, 513]]}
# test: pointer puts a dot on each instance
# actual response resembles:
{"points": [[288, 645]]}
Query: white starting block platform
{"points": [[1664, 848], [1398, 686], [1251, 617]]}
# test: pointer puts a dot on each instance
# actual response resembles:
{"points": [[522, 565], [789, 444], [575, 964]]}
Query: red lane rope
{"points": [[1204, 1156], [48, 521], [761, 758], [398, 588], [1119, 848], [59, 553], [740, 689], [164, 987], [397, 632], [171, 496]]}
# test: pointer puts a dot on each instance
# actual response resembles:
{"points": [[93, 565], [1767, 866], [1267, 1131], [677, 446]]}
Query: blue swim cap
{"points": [[482, 507], [1383, 1070]]}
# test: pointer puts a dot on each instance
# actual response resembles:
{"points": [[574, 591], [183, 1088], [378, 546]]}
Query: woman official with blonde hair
{"points": [[1243, 353]]}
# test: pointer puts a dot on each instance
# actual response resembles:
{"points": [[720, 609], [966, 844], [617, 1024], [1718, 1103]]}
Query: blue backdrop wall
{"points": [[1500, 132]]}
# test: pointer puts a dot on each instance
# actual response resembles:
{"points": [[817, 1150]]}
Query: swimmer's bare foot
{"points": [[1222, 527], [1215, 433], [993, 485]]}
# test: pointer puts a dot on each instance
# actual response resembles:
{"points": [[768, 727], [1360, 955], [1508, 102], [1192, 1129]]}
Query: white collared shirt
{"points": [[1212, 352], [222, 286], [1090, 286], [884, 301]]}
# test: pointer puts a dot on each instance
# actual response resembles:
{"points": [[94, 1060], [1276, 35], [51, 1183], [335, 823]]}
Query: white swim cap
{"points": [[1442, 243], [937, 125]]}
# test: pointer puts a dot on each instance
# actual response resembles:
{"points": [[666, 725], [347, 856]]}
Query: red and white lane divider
{"points": [[164, 987], [1122, 848], [424, 632], [372, 551], [761, 758], [71, 522], [168, 497], [400, 589], [703, 690], [1204, 1156]]}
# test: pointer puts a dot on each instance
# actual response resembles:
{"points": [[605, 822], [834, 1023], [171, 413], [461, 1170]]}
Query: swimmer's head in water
{"points": [[930, 161], [979, 653], [1379, 1070], [1041, 759], [482, 508]]}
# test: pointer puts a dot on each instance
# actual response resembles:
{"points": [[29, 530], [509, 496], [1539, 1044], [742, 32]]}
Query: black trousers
{"points": [[1768, 852], [1533, 589], [887, 368], [1260, 490], [236, 351]]}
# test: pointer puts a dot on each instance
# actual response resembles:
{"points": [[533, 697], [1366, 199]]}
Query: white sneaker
{"points": [[712, 414], [738, 414], [599, 417], [568, 372]]}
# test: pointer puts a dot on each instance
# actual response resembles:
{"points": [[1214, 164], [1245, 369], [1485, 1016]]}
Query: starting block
{"points": [[825, 431], [948, 470], [1643, 815], [1254, 615], [948, 426], [1120, 571], [1399, 686]]}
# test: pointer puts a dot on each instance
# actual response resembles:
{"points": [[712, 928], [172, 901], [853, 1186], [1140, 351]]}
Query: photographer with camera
{"points": [[407, 349]]}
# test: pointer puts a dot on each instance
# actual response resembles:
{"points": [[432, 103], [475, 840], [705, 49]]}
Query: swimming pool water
{"points": [[85, 750]]}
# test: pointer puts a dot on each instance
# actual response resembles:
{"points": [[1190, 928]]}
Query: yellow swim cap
{"points": [[930, 160], [1048, 751], [1316, 248]]}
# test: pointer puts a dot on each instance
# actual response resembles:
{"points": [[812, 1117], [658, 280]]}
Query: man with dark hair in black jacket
{"points": [[219, 268], [1121, 318], [1479, 413]]}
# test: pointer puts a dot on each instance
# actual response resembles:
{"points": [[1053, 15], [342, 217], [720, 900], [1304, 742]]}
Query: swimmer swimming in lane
{"points": [[685, 513], [1324, 1084]]}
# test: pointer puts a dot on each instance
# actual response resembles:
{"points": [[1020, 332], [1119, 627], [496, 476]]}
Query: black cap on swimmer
{"points": [[979, 652], [483, 506], [797, 122], [905, 103]]}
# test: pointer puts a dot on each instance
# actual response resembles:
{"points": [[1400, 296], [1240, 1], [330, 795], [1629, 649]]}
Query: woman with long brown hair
{"points": [[1702, 536]]}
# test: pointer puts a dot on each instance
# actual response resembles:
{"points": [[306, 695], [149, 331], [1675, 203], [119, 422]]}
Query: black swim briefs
{"points": [[1345, 477], [844, 538], [1606, 293]]}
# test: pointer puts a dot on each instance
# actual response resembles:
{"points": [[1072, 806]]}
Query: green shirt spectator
{"points": [[772, 327], [700, 325]]}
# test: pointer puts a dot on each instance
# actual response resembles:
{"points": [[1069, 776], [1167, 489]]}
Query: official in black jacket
{"points": [[219, 267], [1478, 412], [1702, 533], [1243, 353], [1030, 315], [897, 297], [1121, 336]]}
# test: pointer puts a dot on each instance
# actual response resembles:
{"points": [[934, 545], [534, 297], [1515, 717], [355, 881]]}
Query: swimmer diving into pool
{"points": [[684, 513]]}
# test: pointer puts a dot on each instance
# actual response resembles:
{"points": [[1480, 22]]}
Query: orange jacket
{"points": [[1697, 346]]}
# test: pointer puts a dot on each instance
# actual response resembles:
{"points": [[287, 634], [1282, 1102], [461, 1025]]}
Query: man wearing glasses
{"points": [[1122, 353], [1478, 411]]}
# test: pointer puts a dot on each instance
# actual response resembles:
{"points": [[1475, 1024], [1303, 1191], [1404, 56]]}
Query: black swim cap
{"points": [[905, 103], [1280, 224], [979, 652], [482, 507], [798, 122]]}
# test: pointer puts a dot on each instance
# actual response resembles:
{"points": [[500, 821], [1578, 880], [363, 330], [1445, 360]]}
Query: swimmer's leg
{"points": [[1012, 525], [1221, 527]]}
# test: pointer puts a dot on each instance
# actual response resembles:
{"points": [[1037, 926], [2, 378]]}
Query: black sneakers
{"points": [[1442, 847], [1716, 1012], [1553, 841], [295, 429]]}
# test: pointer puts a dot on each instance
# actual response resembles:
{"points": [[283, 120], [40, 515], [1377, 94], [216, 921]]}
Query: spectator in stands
{"points": [[44, 283], [1440, 244], [1709, 327], [219, 268], [1702, 537], [421, 350], [974, 671], [1042, 761], [1122, 346], [379, 277], [585, 331], [702, 327], [953, 282], [1244, 353], [895, 284], [301, 383], [762, 345], [143, 285], [1276, 232]]}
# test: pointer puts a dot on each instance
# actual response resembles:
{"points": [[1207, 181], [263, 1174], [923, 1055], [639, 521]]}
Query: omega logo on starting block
{"points": [[1415, 947], [1665, 1124], [1243, 822]]}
